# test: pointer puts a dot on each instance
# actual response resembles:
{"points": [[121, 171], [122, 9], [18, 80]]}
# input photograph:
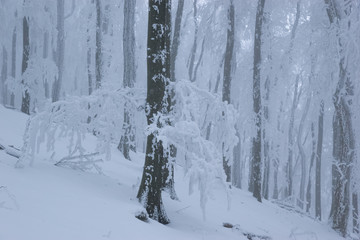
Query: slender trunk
{"points": [[312, 159], [60, 51], [266, 178], [318, 162], [98, 53], [13, 63], [176, 39], [194, 46], [226, 90], [302, 152], [127, 141], [256, 144], [289, 170], [45, 56], [4, 74], [25, 105]]}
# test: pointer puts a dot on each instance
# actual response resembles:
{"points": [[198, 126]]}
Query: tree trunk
{"points": [[318, 162], [194, 46], [176, 39], [98, 53], [226, 90], [312, 159], [25, 105], [127, 141], [266, 179], [13, 63], [4, 74], [289, 166], [256, 145], [157, 79], [302, 152], [60, 51], [343, 134]]}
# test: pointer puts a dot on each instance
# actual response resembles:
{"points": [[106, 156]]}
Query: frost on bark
{"points": [[98, 52], [158, 77], [4, 73], [60, 51], [343, 134], [25, 104], [318, 162], [176, 39], [256, 142], [299, 141], [127, 141], [191, 62], [226, 90], [13, 63]]}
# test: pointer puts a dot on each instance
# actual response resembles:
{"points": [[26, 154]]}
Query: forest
{"points": [[257, 95]]}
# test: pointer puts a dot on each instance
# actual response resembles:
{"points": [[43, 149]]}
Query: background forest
{"points": [[257, 95]]}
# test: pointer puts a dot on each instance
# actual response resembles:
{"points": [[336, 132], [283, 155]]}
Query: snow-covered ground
{"points": [[44, 201]]}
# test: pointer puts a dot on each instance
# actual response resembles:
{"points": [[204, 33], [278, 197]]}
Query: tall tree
{"points": [[127, 141], [25, 105], [60, 50], [158, 77], [318, 162], [4, 73], [343, 133], [98, 52], [256, 142], [226, 90]]}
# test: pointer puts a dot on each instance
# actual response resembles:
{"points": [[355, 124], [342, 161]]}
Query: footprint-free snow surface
{"points": [[44, 201]]}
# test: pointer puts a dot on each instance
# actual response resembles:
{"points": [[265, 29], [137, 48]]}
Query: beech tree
{"points": [[158, 77]]}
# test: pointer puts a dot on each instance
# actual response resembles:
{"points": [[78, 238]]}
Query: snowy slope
{"points": [[49, 202]]}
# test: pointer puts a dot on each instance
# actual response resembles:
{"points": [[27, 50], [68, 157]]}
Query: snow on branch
{"points": [[99, 114], [195, 112]]}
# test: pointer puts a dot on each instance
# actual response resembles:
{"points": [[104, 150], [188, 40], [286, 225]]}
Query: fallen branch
{"points": [[82, 162], [11, 150]]}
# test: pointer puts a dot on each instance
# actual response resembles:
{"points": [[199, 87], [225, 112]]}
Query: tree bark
{"points": [[302, 152], [256, 144], [343, 134], [98, 52], [226, 90], [4, 73], [127, 141], [25, 105], [158, 66], [13, 63], [318, 162], [60, 51]]}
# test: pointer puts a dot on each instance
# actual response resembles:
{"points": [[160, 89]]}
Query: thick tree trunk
{"points": [[343, 134], [127, 141], [60, 51], [158, 79], [226, 90], [25, 105], [256, 144]]}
